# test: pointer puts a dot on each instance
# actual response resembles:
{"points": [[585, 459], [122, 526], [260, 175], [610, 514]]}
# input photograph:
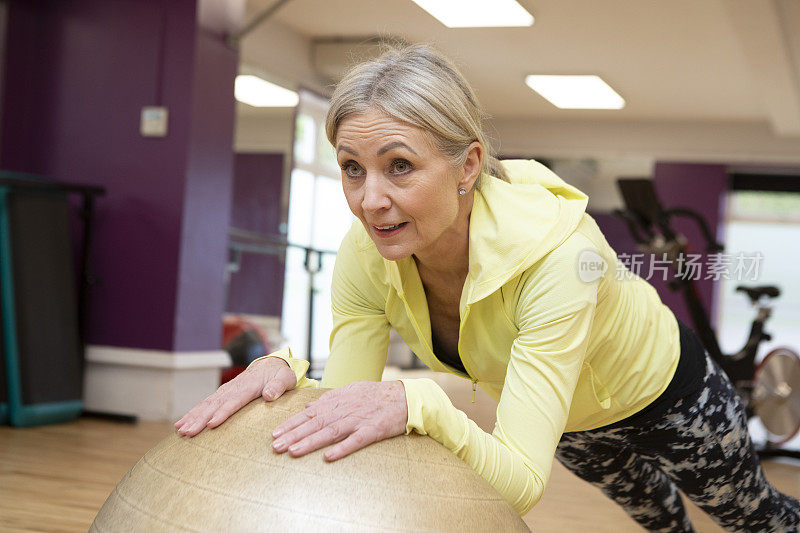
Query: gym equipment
{"points": [[41, 353], [243, 241], [770, 390], [245, 342], [230, 479]]}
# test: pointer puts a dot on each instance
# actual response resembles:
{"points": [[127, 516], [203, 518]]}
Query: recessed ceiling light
{"points": [[257, 92], [576, 92], [477, 13]]}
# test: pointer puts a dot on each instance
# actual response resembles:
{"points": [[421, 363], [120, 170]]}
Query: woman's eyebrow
{"points": [[343, 148], [395, 144]]}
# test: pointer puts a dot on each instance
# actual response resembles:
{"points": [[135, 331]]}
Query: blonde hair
{"points": [[417, 85]]}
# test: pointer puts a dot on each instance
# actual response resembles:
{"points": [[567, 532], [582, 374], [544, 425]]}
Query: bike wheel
{"points": [[776, 394]]}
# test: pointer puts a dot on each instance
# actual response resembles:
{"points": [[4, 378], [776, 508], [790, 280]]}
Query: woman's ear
{"points": [[472, 166]]}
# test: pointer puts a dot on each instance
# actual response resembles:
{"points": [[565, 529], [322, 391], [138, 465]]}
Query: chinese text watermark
{"points": [[739, 266]]}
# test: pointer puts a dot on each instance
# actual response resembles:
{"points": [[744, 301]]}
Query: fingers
{"points": [[354, 442], [195, 420], [229, 407], [305, 440], [228, 399], [273, 390], [283, 380], [180, 422], [288, 439], [293, 422], [354, 416], [237, 393]]}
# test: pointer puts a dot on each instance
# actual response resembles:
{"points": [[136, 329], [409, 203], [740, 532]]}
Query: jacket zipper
{"points": [[421, 336], [469, 373]]}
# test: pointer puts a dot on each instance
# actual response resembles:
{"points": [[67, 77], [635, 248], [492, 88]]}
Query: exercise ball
{"points": [[229, 479]]}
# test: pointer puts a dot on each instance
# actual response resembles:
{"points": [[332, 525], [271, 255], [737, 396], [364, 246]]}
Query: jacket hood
{"points": [[512, 225]]}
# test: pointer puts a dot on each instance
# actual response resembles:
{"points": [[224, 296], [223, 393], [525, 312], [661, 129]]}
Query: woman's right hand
{"points": [[270, 378]]}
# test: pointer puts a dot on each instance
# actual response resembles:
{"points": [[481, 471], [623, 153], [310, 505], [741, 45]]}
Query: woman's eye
{"points": [[401, 167], [351, 169]]}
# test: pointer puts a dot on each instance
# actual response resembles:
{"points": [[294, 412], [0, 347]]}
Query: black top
{"points": [[444, 357]]}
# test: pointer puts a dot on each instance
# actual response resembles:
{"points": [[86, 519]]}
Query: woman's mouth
{"points": [[389, 231]]}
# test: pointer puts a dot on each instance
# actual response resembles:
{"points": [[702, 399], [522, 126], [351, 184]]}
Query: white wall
{"points": [[713, 142], [282, 54], [264, 134]]}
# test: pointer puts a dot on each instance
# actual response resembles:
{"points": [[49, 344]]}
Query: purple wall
{"points": [[257, 288], [701, 187], [76, 76], [616, 233], [207, 198]]}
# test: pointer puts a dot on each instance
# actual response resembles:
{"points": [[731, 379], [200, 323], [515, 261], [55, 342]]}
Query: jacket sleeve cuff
{"points": [[298, 366], [431, 413], [416, 421]]}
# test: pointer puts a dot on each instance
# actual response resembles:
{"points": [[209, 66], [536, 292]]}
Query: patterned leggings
{"points": [[700, 446]]}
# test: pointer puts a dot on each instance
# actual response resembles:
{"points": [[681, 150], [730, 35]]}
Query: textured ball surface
{"points": [[229, 479]]}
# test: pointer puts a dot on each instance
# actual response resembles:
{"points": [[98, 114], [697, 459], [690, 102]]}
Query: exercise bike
{"points": [[770, 389]]}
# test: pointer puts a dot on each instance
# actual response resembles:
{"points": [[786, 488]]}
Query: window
{"points": [[765, 223], [318, 219]]}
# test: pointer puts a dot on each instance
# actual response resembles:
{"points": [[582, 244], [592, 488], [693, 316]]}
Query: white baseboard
{"points": [[150, 384]]}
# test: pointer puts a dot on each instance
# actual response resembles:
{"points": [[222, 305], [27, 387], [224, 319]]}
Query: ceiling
{"points": [[682, 61]]}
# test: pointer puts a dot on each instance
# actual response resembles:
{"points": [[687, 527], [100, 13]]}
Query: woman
{"points": [[486, 270]]}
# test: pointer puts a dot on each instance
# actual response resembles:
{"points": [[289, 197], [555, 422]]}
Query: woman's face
{"points": [[401, 187]]}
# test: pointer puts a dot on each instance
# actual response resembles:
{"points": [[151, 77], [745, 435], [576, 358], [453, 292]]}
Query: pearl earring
{"points": [[462, 191]]}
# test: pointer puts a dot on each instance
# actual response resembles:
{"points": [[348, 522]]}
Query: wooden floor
{"points": [[55, 478]]}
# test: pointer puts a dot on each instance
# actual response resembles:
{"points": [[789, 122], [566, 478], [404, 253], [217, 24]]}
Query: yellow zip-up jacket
{"points": [[560, 343]]}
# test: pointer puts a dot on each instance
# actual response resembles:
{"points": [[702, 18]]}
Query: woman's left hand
{"points": [[355, 416]]}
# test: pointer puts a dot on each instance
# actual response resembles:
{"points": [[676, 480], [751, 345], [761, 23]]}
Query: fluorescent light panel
{"points": [[257, 92], [477, 13], [576, 92]]}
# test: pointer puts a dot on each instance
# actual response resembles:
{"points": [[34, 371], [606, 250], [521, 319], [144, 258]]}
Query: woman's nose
{"points": [[375, 194]]}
